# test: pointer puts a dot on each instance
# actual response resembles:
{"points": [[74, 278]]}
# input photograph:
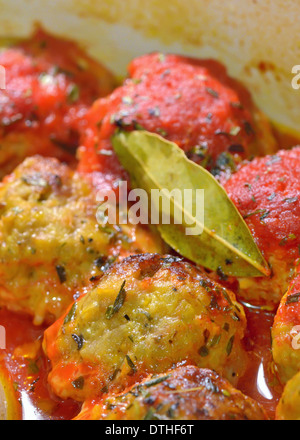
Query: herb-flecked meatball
{"points": [[50, 85], [267, 194], [190, 102], [51, 245], [147, 314], [187, 393], [289, 405]]}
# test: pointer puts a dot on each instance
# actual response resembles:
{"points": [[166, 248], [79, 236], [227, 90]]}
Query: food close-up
{"points": [[149, 211]]}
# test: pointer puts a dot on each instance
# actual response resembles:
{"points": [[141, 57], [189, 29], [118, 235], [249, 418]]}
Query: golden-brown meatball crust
{"points": [[147, 314], [187, 393], [51, 245], [289, 405]]}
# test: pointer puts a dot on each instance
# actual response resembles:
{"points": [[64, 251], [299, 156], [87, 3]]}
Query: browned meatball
{"points": [[187, 393], [147, 314], [51, 245]]}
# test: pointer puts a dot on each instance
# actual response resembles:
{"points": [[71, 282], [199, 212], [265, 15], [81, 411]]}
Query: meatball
{"points": [[147, 314], [50, 85], [51, 245], [187, 393], [267, 194], [190, 102], [289, 405], [286, 332]]}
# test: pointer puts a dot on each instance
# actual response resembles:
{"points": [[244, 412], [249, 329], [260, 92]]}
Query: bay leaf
{"points": [[226, 244]]}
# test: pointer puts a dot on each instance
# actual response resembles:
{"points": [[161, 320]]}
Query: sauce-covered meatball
{"points": [[267, 194], [51, 244], [286, 332], [50, 85], [289, 405], [187, 393], [190, 102], [147, 314]]}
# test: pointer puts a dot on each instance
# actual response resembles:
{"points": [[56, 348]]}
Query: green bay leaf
{"points": [[226, 244]]}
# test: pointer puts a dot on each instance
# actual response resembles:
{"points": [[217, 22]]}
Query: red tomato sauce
{"points": [[266, 194], [190, 102], [48, 92], [28, 369]]}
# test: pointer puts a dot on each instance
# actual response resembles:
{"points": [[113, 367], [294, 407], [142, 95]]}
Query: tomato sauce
{"points": [[28, 370], [50, 85], [190, 102]]}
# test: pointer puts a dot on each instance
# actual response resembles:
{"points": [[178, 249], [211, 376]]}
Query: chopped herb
{"points": [[216, 340], [71, 315], [291, 200], [151, 415], [265, 215], [171, 260], [226, 327], [33, 367], [138, 126], [230, 346], [154, 112], [292, 299], [35, 180], [259, 211], [157, 381], [285, 240], [212, 92], [204, 351], [112, 310], [62, 275], [272, 197], [162, 132], [227, 297], [274, 159], [73, 94], [131, 364], [79, 341], [235, 317], [210, 386], [136, 81], [78, 384], [249, 129], [221, 274]]}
